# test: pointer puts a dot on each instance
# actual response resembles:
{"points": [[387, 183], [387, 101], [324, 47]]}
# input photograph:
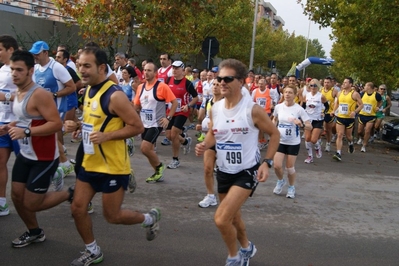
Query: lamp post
{"points": [[306, 50], [251, 57]]}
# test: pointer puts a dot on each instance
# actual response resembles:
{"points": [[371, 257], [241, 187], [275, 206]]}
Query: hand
{"points": [[200, 148], [97, 137], [353, 114], [164, 122], [4, 130], [81, 91], [185, 108], [263, 172], [70, 126], [198, 127], [16, 133]]}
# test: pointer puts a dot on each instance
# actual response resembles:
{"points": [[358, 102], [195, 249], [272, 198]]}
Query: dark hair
{"points": [[292, 76], [238, 66], [23, 56], [100, 55], [350, 80], [167, 55], [129, 70], [65, 54], [8, 42], [329, 78], [149, 60], [155, 66], [92, 45]]}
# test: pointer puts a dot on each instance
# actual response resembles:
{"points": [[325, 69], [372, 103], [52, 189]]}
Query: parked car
{"points": [[395, 96], [390, 131]]}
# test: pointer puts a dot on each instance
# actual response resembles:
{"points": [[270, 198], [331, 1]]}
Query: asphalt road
{"points": [[345, 213]]}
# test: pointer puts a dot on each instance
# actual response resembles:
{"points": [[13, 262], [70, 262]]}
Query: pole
{"points": [[306, 50], [209, 54], [251, 57]]}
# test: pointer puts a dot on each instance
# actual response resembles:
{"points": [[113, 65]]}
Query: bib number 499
{"points": [[233, 157]]}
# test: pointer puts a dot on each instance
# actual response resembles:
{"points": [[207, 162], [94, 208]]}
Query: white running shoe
{"points": [[328, 147], [309, 159], [333, 138], [187, 147], [359, 142], [279, 186], [174, 164], [363, 149], [291, 192], [208, 201], [58, 179], [319, 153]]}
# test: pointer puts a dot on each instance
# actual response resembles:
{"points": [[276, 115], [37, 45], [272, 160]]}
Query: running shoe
{"points": [[132, 181], [279, 186], [130, 146], [166, 142], [371, 139], [234, 261], [337, 157], [174, 164], [58, 179], [208, 201], [328, 147], [359, 141], [309, 159], [187, 147], [247, 254], [90, 208], [157, 176], [291, 192], [363, 149], [27, 239], [201, 138], [153, 229], [351, 149], [4, 210], [67, 169], [88, 258], [333, 138], [319, 153]]}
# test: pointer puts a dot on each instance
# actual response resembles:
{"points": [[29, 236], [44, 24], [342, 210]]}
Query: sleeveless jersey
{"points": [[163, 73], [383, 105], [127, 89], [330, 98], [109, 157], [274, 93], [152, 108], [346, 104], [369, 104], [207, 105], [314, 106], [200, 92], [37, 148], [6, 85], [207, 89], [182, 96], [48, 81], [263, 99], [289, 131], [236, 136]]}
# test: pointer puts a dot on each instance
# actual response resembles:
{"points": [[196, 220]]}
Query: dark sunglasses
{"points": [[226, 79], [313, 85], [382, 89]]}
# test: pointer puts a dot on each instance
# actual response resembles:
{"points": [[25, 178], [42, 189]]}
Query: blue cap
{"points": [[215, 69], [39, 47]]}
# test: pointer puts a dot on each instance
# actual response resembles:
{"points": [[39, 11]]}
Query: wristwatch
{"points": [[7, 95], [27, 132], [269, 162], [169, 118], [55, 95]]}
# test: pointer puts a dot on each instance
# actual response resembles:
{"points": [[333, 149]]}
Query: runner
{"points": [[330, 93], [386, 104]]}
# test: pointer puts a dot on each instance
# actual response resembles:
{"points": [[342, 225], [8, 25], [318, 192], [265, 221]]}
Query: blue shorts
{"points": [[7, 142], [72, 101], [104, 183]]}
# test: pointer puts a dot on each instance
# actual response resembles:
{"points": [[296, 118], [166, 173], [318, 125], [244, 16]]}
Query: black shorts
{"points": [[177, 121], [104, 183], [317, 124], [213, 148], [151, 134], [364, 119], [37, 175], [347, 122], [245, 179], [329, 119], [289, 149]]}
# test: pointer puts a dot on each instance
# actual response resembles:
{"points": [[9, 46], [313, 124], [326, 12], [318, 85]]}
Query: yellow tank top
{"points": [[369, 104], [330, 99], [346, 104], [109, 157]]}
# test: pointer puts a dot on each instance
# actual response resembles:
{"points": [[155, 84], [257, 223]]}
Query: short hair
{"points": [[92, 45], [292, 76], [121, 55], [291, 87], [237, 66], [149, 60], [129, 70], [9, 42], [328, 78], [350, 80], [383, 86], [167, 55], [155, 66], [100, 55], [132, 60], [65, 54], [25, 56]]}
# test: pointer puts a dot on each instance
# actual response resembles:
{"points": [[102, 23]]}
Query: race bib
{"points": [[25, 145], [5, 107], [367, 108], [261, 101], [287, 132], [231, 153], [343, 108], [147, 115], [88, 146]]}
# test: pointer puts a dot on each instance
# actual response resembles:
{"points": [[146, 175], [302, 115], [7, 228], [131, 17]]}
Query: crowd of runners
{"points": [[234, 113]]}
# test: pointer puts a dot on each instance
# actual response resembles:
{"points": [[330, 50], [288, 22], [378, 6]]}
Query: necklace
{"points": [[22, 90]]}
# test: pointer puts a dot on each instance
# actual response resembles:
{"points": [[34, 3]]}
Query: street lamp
{"points": [[251, 57], [306, 50]]}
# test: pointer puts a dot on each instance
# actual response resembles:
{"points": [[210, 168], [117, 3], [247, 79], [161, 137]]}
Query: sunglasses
{"points": [[382, 89], [226, 79], [313, 85]]}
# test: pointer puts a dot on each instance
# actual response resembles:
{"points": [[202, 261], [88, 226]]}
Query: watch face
{"points": [[27, 131]]}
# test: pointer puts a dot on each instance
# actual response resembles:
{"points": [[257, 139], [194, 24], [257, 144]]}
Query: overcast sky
{"points": [[296, 21]]}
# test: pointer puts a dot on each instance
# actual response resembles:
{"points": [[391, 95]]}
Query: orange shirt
{"points": [[164, 92]]}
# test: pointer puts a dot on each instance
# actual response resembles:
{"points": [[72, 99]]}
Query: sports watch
{"points": [[269, 162], [27, 132]]}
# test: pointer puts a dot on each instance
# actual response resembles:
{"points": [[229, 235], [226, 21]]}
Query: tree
{"points": [[366, 33]]}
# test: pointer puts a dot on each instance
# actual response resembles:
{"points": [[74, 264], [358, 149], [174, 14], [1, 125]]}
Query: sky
{"points": [[296, 21]]}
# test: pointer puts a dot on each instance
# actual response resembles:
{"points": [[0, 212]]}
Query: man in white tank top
{"points": [[234, 125]]}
